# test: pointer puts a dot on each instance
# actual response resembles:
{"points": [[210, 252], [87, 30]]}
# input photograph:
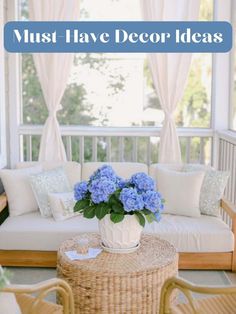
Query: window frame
{"points": [[232, 66], [3, 148]]}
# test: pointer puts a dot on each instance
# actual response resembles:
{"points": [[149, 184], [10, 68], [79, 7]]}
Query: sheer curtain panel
{"points": [[53, 71], [170, 70]]}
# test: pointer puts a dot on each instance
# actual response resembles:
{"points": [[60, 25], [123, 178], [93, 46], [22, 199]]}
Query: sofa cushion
{"points": [[50, 181], [212, 190], [122, 169], [181, 191], [21, 199], [62, 205], [32, 232], [72, 168]]}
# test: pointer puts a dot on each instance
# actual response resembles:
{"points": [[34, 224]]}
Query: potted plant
{"points": [[121, 206]]}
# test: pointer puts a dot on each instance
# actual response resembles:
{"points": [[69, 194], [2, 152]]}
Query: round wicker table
{"points": [[118, 283]]}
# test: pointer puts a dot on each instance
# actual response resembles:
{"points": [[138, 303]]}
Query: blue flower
{"points": [[152, 201], [131, 200], [142, 182], [121, 183], [105, 171], [80, 190], [101, 189]]}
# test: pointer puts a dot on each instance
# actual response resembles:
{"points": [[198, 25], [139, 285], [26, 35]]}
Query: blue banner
{"points": [[118, 36]]}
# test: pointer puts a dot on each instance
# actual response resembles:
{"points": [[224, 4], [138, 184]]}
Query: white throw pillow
{"points": [[62, 205], [21, 199], [181, 191], [8, 304], [212, 190], [52, 181]]}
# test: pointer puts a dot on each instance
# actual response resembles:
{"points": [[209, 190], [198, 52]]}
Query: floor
{"points": [[34, 275]]}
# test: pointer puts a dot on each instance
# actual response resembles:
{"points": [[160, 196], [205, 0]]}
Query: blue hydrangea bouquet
{"points": [[105, 193]]}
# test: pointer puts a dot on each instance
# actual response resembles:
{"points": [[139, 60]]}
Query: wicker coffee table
{"points": [[119, 283]]}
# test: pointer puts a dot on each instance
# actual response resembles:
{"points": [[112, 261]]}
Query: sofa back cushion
{"points": [[21, 199], [122, 169], [72, 168], [153, 168], [181, 191]]}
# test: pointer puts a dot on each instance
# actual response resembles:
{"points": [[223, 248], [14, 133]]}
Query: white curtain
{"points": [[170, 70], [53, 70]]}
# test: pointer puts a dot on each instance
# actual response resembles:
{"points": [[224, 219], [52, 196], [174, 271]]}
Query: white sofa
{"points": [[204, 242]]}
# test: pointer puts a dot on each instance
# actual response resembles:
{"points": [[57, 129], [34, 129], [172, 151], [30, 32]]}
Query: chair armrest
{"points": [[187, 288], [43, 289], [3, 201], [4, 213]]}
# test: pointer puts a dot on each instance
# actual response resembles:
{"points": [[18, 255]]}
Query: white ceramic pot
{"points": [[122, 235]]}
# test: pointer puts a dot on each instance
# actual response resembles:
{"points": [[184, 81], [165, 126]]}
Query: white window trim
{"points": [[3, 149], [232, 62]]}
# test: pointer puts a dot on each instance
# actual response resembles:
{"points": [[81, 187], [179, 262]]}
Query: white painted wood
{"points": [[220, 80], [3, 148], [135, 149], [94, 148], [227, 161], [68, 148], [14, 100], [232, 63], [121, 149], [116, 132], [81, 149], [108, 148]]}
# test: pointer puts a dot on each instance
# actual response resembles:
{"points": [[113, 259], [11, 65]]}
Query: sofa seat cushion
{"points": [[32, 232], [122, 169], [188, 234]]}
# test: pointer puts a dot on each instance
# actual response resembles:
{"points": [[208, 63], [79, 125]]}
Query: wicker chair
{"points": [[36, 304], [224, 301]]}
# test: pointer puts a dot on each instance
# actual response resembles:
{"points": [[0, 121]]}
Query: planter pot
{"points": [[122, 235]]}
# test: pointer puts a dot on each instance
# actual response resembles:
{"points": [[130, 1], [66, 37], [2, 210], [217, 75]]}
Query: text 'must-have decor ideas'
{"points": [[118, 36]]}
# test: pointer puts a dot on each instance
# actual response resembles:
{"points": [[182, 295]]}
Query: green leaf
{"points": [[89, 212], [102, 210], [80, 205], [118, 208], [146, 211], [113, 199], [140, 218], [150, 218], [116, 217]]}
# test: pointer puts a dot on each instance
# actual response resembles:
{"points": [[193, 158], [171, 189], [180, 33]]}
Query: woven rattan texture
{"points": [[119, 283]]}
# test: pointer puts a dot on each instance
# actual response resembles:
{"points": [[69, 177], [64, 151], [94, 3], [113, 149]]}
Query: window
{"points": [[102, 87]]}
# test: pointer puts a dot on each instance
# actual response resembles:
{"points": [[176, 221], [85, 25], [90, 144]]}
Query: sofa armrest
{"points": [[230, 210], [3, 208]]}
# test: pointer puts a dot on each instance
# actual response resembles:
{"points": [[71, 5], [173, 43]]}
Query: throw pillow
{"points": [[181, 191], [21, 199], [62, 205], [52, 181], [8, 304], [212, 190]]}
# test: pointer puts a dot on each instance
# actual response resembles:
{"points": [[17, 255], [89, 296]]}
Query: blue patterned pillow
{"points": [[52, 181], [212, 190]]}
